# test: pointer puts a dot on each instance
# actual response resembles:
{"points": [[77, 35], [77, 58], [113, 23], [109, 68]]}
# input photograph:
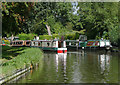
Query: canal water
{"points": [[74, 67]]}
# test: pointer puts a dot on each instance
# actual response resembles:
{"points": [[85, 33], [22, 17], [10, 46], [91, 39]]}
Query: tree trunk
{"points": [[48, 29], [12, 37]]}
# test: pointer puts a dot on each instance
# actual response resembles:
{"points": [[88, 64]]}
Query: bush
{"points": [[77, 35], [55, 36], [42, 37], [70, 36], [24, 36], [48, 37]]}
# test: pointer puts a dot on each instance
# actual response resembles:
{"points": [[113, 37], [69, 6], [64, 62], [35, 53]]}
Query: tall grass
{"points": [[29, 55]]}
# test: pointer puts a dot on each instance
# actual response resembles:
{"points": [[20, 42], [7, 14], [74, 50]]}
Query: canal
{"points": [[74, 67]]}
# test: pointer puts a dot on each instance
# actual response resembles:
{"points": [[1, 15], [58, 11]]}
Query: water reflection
{"points": [[61, 61], [104, 61], [76, 67], [61, 57]]}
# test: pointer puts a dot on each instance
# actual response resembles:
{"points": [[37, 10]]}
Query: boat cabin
{"points": [[21, 43], [48, 43], [27, 43]]}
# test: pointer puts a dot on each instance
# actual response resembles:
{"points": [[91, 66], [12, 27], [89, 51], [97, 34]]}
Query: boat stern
{"points": [[62, 50]]}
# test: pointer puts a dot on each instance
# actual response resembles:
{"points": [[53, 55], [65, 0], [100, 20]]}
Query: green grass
{"points": [[25, 57], [9, 53]]}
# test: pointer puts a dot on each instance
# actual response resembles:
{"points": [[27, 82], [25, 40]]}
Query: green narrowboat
{"points": [[50, 45], [83, 43]]}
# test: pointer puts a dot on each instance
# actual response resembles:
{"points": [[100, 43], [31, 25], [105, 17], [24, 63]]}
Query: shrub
{"points": [[70, 36], [76, 36], [42, 37], [48, 37], [24, 36], [56, 36]]}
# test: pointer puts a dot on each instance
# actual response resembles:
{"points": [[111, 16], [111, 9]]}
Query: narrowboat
{"points": [[50, 45], [83, 43], [2, 42], [21, 43]]}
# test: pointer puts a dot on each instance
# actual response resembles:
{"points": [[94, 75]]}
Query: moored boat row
{"points": [[60, 46], [105, 44], [47, 45]]}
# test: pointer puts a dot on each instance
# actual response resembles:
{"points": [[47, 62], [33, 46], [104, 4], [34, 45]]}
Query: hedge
{"points": [[24, 36]]}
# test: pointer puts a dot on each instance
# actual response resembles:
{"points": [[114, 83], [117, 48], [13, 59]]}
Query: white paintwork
{"points": [[56, 44], [64, 44], [76, 44], [107, 43], [32, 43], [69, 43], [36, 43], [102, 43], [37, 38], [62, 48], [82, 47]]}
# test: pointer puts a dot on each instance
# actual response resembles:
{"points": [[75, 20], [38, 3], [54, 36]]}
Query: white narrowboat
{"points": [[50, 45]]}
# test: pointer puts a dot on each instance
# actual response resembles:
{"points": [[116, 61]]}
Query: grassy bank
{"points": [[19, 57]]}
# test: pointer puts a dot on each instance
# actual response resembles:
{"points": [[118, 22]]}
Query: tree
{"points": [[99, 18], [14, 15]]}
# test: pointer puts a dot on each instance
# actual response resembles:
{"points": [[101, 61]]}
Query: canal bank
{"points": [[25, 60]]}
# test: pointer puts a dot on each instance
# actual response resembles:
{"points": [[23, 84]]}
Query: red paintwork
{"points": [[3, 44], [90, 43], [65, 51], [96, 43], [59, 51]]}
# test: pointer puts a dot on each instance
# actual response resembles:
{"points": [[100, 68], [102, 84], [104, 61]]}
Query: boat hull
{"points": [[58, 50]]}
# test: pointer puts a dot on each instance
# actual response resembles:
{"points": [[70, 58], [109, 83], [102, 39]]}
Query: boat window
{"points": [[36, 43], [16, 42], [21, 42], [27, 42], [39, 44], [32, 43], [59, 44], [48, 44]]}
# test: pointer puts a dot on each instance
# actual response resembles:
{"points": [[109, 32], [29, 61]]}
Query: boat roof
{"points": [[46, 40], [20, 40]]}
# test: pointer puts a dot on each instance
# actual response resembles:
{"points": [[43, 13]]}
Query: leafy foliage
{"points": [[24, 36], [98, 19]]}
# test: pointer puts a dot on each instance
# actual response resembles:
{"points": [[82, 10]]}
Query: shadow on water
{"points": [[75, 67]]}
